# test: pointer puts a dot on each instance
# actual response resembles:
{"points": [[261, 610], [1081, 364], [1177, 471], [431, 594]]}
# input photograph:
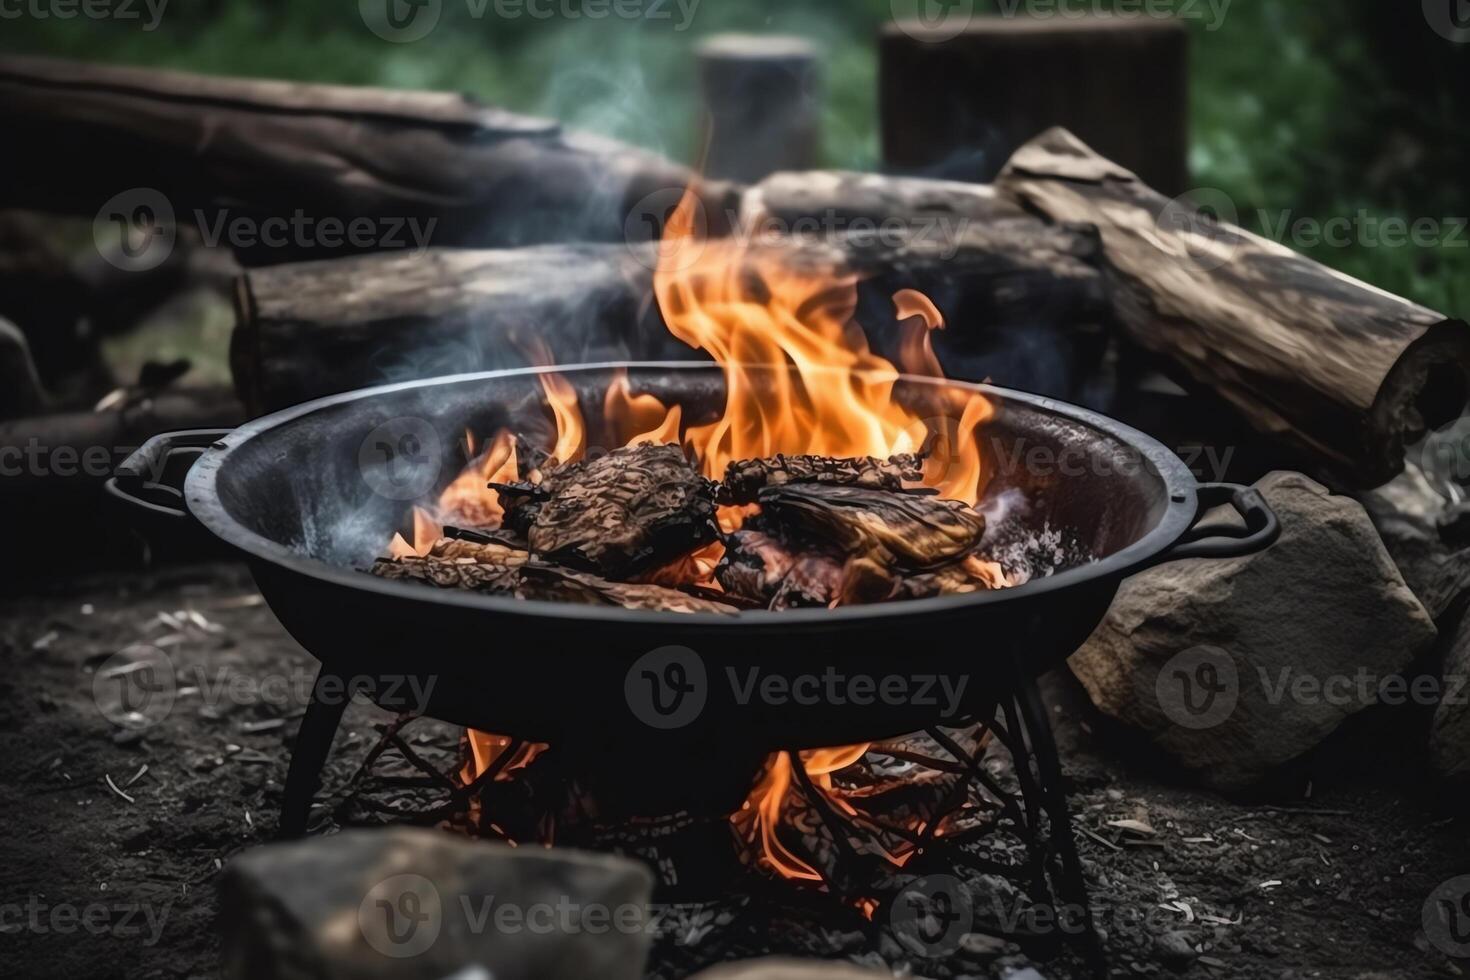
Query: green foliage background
{"points": [[1300, 109]]}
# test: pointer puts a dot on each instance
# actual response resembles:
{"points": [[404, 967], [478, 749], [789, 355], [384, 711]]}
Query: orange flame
{"points": [[800, 378]]}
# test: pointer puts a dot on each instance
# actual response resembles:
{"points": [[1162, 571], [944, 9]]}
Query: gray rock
{"points": [[419, 904], [778, 968], [1423, 536], [1449, 737], [1236, 666]]}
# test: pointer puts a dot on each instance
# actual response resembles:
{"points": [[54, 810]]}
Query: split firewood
{"points": [[1338, 372], [630, 510], [541, 580], [913, 530], [746, 478]]}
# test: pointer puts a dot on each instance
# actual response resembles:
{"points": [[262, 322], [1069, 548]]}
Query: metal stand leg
{"points": [[1071, 885], [313, 745]]}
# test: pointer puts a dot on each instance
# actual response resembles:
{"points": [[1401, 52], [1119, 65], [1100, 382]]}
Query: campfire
{"points": [[824, 492]]}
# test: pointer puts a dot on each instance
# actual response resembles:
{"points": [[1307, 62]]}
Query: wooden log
{"points": [[223, 149], [958, 103], [761, 105], [1341, 374], [316, 328]]}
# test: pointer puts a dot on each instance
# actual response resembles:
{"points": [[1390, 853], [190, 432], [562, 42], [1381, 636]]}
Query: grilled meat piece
{"points": [[746, 478], [914, 531], [633, 509]]}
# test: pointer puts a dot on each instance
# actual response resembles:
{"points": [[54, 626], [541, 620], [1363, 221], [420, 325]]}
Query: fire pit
{"points": [[1080, 500]]}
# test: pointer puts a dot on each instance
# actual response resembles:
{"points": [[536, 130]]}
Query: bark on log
{"points": [[958, 104], [1342, 374], [245, 148], [316, 328]]}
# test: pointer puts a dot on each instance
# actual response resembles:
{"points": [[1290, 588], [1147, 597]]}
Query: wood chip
{"points": [[113, 786]]}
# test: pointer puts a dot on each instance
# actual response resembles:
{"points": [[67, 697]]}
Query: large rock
{"points": [[1235, 666], [1428, 547], [778, 968], [421, 905], [1449, 738]]}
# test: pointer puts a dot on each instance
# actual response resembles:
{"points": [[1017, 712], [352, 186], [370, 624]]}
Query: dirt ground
{"points": [[103, 880]]}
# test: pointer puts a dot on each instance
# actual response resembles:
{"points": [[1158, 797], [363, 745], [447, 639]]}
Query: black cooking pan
{"points": [[1081, 499]]}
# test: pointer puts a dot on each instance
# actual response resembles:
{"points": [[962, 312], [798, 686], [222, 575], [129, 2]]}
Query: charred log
{"points": [[541, 580]]}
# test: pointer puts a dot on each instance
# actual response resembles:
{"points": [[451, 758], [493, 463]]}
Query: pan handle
{"points": [[1216, 539], [152, 477]]}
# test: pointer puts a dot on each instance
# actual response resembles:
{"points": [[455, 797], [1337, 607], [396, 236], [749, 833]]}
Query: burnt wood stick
{"points": [[1341, 374], [311, 329], [229, 148]]}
